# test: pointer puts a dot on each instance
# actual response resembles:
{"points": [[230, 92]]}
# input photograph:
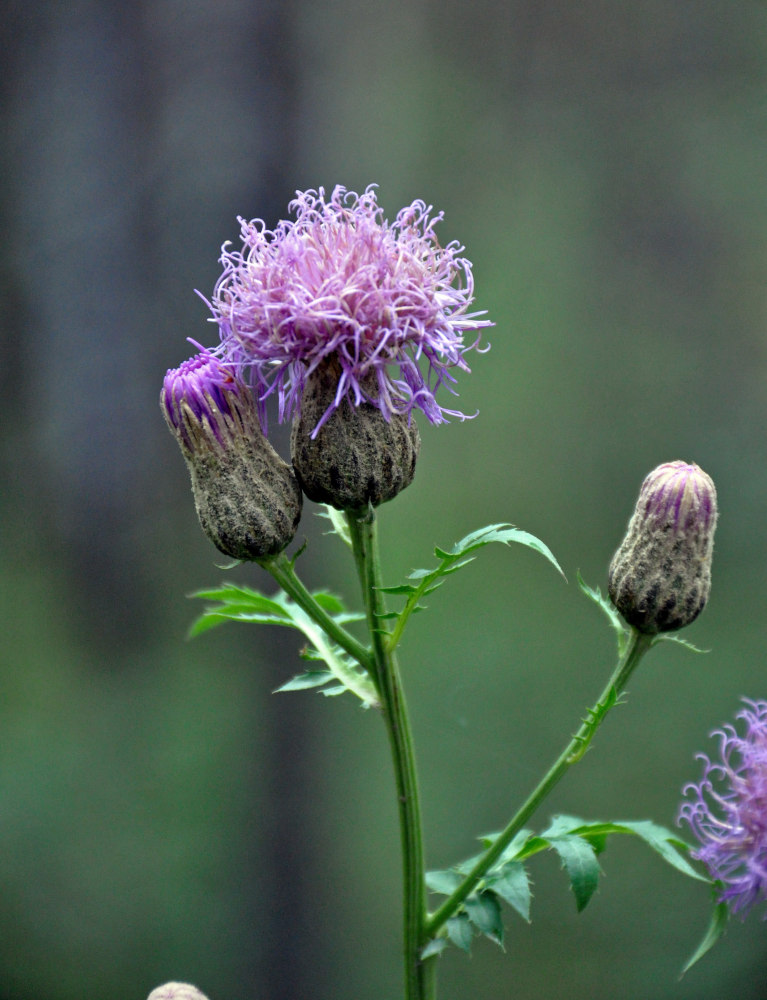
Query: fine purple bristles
{"points": [[385, 301], [727, 810]]}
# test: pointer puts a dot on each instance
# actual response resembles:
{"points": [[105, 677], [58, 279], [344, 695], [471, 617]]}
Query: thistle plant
{"points": [[353, 325]]}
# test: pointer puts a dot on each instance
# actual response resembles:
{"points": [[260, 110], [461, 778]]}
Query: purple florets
{"points": [[202, 392], [340, 281], [727, 810], [679, 495]]}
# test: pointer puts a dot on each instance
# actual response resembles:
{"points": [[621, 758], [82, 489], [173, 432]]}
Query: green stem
{"points": [[281, 568], [573, 752], [419, 975]]}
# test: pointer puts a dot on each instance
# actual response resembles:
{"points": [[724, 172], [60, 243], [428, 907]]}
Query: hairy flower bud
{"points": [[349, 455], [176, 991], [660, 577], [247, 499]]}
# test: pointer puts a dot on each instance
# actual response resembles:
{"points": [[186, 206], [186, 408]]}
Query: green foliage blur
{"points": [[163, 815]]}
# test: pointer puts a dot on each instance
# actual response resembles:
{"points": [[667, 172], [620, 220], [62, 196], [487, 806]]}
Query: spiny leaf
{"points": [[580, 862], [616, 622], [665, 843], [245, 605], [454, 559], [512, 884], [435, 947], [460, 932], [484, 911], [661, 840], [309, 679], [668, 637], [504, 533], [339, 523]]}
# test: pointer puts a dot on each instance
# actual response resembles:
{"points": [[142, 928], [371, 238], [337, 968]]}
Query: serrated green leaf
{"points": [[460, 932], [204, 623], [484, 911], [506, 534], [665, 843], [419, 574], [245, 605], [679, 640], [454, 559], [716, 928], [580, 862], [339, 523], [309, 679], [243, 597], [435, 947], [444, 882], [512, 884], [401, 588], [618, 625], [661, 840]]}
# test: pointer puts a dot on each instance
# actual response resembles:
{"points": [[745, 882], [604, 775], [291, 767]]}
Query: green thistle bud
{"points": [[247, 499], [660, 577], [349, 455]]}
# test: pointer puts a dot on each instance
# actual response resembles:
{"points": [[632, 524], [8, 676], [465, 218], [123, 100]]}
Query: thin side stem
{"points": [[281, 568], [419, 975], [573, 752]]}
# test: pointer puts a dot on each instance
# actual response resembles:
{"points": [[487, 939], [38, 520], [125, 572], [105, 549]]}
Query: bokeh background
{"points": [[162, 814]]}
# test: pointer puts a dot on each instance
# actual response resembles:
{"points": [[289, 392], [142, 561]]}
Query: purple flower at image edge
{"points": [[727, 810], [340, 282]]}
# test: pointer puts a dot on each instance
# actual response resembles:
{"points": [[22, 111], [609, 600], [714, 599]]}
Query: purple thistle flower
{"points": [[340, 281], [727, 810]]}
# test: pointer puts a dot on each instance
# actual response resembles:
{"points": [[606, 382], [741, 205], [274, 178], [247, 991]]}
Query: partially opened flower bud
{"points": [[247, 497], [176, 991], [348, 455], [660, 577]]}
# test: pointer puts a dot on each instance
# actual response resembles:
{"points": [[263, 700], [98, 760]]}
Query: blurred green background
{"points": [[162, 814]]}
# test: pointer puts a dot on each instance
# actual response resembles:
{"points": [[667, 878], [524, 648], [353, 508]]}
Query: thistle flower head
{"points": [[727, 810], [660, 577], [339, 280], [248, 500]]}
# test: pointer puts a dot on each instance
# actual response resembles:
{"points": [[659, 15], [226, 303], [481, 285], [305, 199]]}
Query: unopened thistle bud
{"points": [[660, 577], [350, 455], [247, 499], [176, 991]]}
